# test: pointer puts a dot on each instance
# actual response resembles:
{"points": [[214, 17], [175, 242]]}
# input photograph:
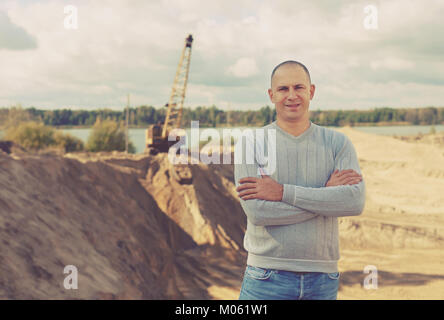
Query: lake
{"points": [[137, 136]]}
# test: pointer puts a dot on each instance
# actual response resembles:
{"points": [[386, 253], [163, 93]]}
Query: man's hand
{"points": [[344, 177], [264, 188]]}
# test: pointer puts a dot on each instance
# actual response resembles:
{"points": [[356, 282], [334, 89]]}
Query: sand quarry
{"points": [[135, 231]]}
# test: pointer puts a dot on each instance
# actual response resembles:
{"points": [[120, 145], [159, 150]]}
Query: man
{"points": [[292, 227]]}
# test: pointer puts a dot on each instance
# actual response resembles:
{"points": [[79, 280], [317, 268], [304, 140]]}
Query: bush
{"points": [[107, 135], [67, 142], [31, 135], [36, 136], [14, 117]]}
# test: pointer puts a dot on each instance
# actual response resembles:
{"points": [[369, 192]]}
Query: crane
{"points": [[157, 134]]}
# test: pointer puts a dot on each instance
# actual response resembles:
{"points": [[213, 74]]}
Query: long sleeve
{"points": [[262, 212], [337, 201], [300, 233]]}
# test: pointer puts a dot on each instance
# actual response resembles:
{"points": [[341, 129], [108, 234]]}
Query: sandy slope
{"points": [[96, 214], [401, 231], [135, 231]]}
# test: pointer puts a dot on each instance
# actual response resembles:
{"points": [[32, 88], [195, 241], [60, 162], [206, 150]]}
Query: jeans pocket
{"points": [[257, 273], [334, 275]]}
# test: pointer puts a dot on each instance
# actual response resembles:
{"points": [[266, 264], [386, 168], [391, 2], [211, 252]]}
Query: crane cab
{"points": [[155, 142], [157, 134]]}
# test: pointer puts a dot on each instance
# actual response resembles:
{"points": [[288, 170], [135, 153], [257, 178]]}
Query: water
{"points": [[400, 130], [137, 136]]}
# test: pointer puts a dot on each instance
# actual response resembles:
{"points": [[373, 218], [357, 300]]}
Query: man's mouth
{"points": [[293, 105]]}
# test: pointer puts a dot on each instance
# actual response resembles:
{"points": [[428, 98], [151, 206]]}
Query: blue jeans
{"points": [[271, 284]]}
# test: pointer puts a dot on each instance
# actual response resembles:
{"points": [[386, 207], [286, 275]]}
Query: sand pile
{"points": [[11, 147], [430, 138], [137, 227], [96, 213], [207, 208], [401, 231], [405, 199]]}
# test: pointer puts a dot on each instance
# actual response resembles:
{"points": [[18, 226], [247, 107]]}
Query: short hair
{"points": [[290, 62]]}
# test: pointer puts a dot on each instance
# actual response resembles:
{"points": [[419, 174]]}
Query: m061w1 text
{"points": [[243, 309]]}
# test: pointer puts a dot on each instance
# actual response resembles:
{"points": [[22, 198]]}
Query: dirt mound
{"points": [[137, 227], [401, 231], [207, 209], [11, 147], [97, 214], [436, 139]]}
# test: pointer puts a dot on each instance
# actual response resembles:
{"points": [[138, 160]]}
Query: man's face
{"points": [[291, 93]]}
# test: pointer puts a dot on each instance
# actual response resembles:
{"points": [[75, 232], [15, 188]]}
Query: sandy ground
{"points": [[401, 232], [137, 231]]}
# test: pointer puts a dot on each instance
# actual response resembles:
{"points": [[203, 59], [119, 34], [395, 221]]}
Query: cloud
{"points": [[244, 68], [13, 37], [392, 64], [122, 48]]}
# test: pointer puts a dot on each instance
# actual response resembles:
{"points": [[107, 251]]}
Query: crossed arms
{"points": [[266, 202]]}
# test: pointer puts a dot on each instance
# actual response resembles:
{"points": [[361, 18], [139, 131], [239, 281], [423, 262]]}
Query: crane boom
{"points": [[157, 135], [175, 104]]}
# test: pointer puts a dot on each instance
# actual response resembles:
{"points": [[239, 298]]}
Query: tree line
{"points": [[143, 116]]}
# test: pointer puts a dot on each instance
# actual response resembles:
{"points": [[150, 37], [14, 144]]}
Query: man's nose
{"points": [[291, 94]]}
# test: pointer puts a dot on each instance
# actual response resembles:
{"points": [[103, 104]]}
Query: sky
{"points": [[387, 55]]}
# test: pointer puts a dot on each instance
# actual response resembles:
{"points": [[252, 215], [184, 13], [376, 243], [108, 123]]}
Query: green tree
{"points": [[67, 142], [412, 116], [31, 135], [15, 116], [107, 135], [266, 115], [36, 136], [428, 115]]}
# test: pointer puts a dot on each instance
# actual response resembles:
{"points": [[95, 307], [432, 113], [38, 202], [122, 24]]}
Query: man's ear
{"points": [[312, 91], [270, 94]]}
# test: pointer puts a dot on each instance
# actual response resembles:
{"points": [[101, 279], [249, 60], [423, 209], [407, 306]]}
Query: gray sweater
{"points": [[300, 233]]}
